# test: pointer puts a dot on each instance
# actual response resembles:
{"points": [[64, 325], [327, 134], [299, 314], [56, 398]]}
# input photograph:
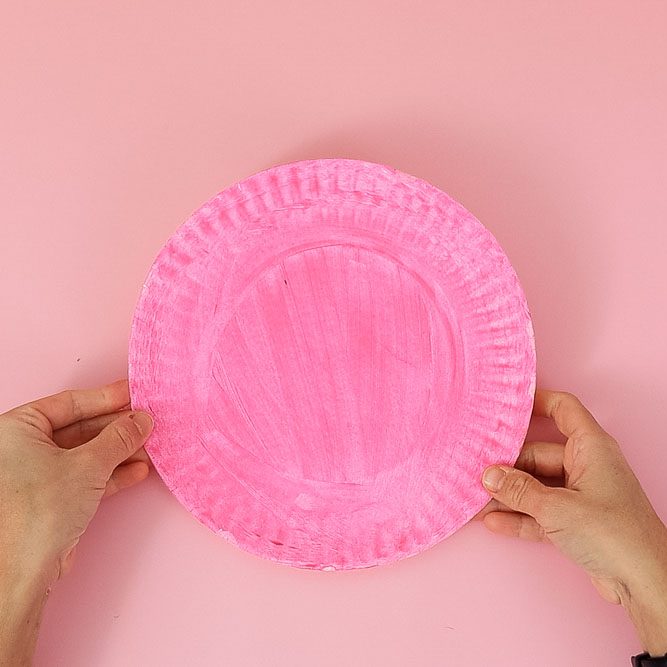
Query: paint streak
{"points": [[332, 351]]}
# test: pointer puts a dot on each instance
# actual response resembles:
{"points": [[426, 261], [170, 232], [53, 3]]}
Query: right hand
{"points": [[598, 515]]}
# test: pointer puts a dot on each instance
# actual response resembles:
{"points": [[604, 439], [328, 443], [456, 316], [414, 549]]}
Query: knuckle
{"points": [[568, 398], [124, 434], [526, 460], [32, 416], [517, 488], [104, 396], [609, 441], [75, 403], [529, 529]]}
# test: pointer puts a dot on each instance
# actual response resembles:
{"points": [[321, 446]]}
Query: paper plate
{"points": [[332, 351]]}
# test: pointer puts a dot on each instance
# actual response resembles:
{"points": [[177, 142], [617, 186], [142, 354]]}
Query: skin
{"points": [[59, 456], [592, 508]]}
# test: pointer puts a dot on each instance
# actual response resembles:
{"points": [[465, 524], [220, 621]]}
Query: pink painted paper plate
{"points": [[332, 351]]}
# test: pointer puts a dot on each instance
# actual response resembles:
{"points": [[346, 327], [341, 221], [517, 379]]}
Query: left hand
{"points": [[59, 456]]}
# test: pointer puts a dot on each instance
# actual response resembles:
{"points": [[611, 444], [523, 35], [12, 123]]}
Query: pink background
{"points": [[546, 120]]}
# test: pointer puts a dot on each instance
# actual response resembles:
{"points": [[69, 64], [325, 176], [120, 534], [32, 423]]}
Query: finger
{"points": [[125, 476], [517, 489], [118, 441], [83, 431], [140, 455], [569, 414], [72, 406], [542, 459], [491, 506], [514, 525]]}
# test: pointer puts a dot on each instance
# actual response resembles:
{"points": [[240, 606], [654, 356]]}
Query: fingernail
{"points": [[143, 421], [493, 478]]}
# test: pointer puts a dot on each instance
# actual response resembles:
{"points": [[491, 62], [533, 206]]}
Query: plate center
{"points": [[335, 367]]}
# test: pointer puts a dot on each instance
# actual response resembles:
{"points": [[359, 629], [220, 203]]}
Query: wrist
{"points": [[644, 597], [24, 587], [26, 568], [24, 580]]}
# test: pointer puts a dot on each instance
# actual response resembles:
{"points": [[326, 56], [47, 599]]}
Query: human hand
{"points": [[597, 513], [59, 456]]}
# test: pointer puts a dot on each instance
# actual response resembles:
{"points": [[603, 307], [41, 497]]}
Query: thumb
{"points": [[119, 440], [517, 489]]}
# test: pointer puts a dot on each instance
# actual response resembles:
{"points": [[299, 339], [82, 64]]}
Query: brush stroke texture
{"points": [[332, 351]]}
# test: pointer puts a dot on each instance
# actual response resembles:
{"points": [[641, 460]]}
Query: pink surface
{"points": [[546, 120], [333, 352]]}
